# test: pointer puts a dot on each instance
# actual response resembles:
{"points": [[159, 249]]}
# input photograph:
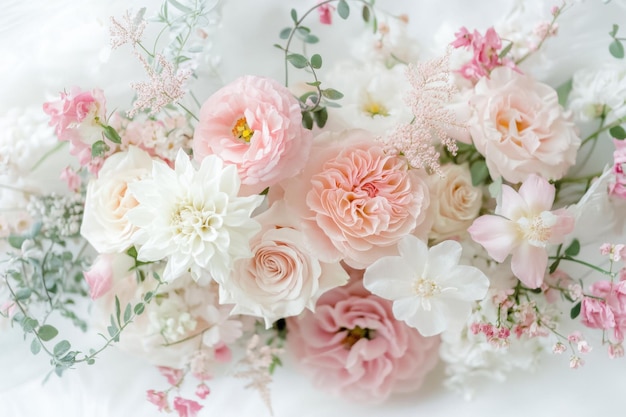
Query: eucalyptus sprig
{"points": [[313, 103], [616, 48]]}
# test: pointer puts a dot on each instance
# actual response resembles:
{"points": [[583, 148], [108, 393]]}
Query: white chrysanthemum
{"points": [[598, 91], [193, 218], [430, 291]]}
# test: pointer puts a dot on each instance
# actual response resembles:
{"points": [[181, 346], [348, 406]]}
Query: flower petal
{"points": [[390, 277], [496, 234], [538, 193], [442, 259], [529, 263]]}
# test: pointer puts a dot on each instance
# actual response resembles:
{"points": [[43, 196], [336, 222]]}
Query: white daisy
{"points": [[193, 218], [431, 292]]}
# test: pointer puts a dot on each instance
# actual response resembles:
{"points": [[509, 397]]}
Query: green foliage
{"points": [[98, 149], [343, 9], [573, 249], [618, 132], [575, 311], [563, 91], [479, 172], [111, 134], [616, 48]]}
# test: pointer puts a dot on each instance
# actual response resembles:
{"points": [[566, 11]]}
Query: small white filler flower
{"points": [[429, 290]]}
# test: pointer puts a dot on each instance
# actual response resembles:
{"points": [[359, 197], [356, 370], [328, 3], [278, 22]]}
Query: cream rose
{"points": [[282, 278], [456, 202], [519, 127], [108, 200]]}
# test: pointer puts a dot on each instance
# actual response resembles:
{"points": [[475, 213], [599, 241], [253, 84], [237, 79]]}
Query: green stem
{"points": [[189, 112], [587, 264], [47, 154]]}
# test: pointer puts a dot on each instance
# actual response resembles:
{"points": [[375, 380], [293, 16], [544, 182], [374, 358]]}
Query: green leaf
{"points": [[506, 50], [573, 249], [91, 361], [613, 32], [111, 134], [180, 7], [148, 297], [618, 132], [479, 172], [118, 310], [495, 188], [35, 347], [308, 95], [554, 266], [29, 324], [365, 13], [127, 313], [343, 9], [23, 294], [139, 308], [294, 15], [616, 49], [99, 148], [313, 84], [332, 94], [563, 91], [16, 241], [112, 330], [47, 332], [61, 348], [307, 120], [132, 252], [311, 39], [297, 60], [316, 61], [284, 34], [320, 116], [575, 311]]}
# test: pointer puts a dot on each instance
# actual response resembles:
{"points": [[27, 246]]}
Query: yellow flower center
{"points": [[242, 130], [538, 229], [426, 288], [356, 334], [374, 108]]}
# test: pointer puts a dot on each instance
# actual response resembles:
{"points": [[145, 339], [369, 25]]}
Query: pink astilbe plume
{"points": [[165, 86], [129, 30], [431, 93]]}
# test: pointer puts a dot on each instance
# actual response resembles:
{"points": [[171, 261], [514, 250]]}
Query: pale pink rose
{"points": [[78, 117], [596, 314], [456, 202], [186, 408], [254, 123], [282, 278], [354, 348], [108, 200], [524, 226], [356, 201], [519, 127], [71, 178]]}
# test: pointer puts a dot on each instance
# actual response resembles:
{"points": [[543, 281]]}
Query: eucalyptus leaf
{"points": [[616, 48], [47, 332], [321, 117], [284, 34], [139, 308], [61, 348], [297, 60], [332, 94], [35, 347], [343, 9], [316, 61]]}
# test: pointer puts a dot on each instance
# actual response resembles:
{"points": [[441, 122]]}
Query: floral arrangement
{"points": [[370, 219]]}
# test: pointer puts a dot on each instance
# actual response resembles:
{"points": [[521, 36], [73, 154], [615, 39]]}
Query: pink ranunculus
{"points": [[519, 127], [77, 118], [356, 201], [254, 123], [524, 226], [353, 347], [186, 408], [596, 314], [282, 278]]}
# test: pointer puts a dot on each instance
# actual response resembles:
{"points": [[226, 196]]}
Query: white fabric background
{"points": [[48, 45]]}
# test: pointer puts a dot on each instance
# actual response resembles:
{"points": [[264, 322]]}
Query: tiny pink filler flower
{"points": [[523, 227]]}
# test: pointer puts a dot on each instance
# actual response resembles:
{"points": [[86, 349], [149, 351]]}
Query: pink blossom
{"points": [[326, 14], [583, 347], [617, 187], [524, 226], [186, 408], [255, 124], [158, 398], [614, 295], [100, 276], [202, 391], [559, 348], [485, 51], [353, 347], [463, 38], [605, 249], [71, 178], [222, 353], [356, 201], [519, 127], [576, 362], [173, 376], [77, 118], [616, 350], [575, 337]]}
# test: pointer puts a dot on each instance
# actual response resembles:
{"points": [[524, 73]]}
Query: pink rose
{"points": [[353, 347], [356, 201], [519, 127], [282, 278], [254, 123], [186, 408], [596, 314]]}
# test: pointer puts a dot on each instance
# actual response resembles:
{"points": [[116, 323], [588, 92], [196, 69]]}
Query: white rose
{"points": [[108, 200], [282, 278], [456, 202]]}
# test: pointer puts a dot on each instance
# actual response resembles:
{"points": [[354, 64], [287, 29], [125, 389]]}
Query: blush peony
{"points": [[255, 124], [519, 127], [356, 201], [353, 346]]}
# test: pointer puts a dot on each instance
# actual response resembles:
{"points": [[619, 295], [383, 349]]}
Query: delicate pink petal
{"points": [[512, 205], [496, 234], [529, 264], [538, 193], [564, 226]]}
